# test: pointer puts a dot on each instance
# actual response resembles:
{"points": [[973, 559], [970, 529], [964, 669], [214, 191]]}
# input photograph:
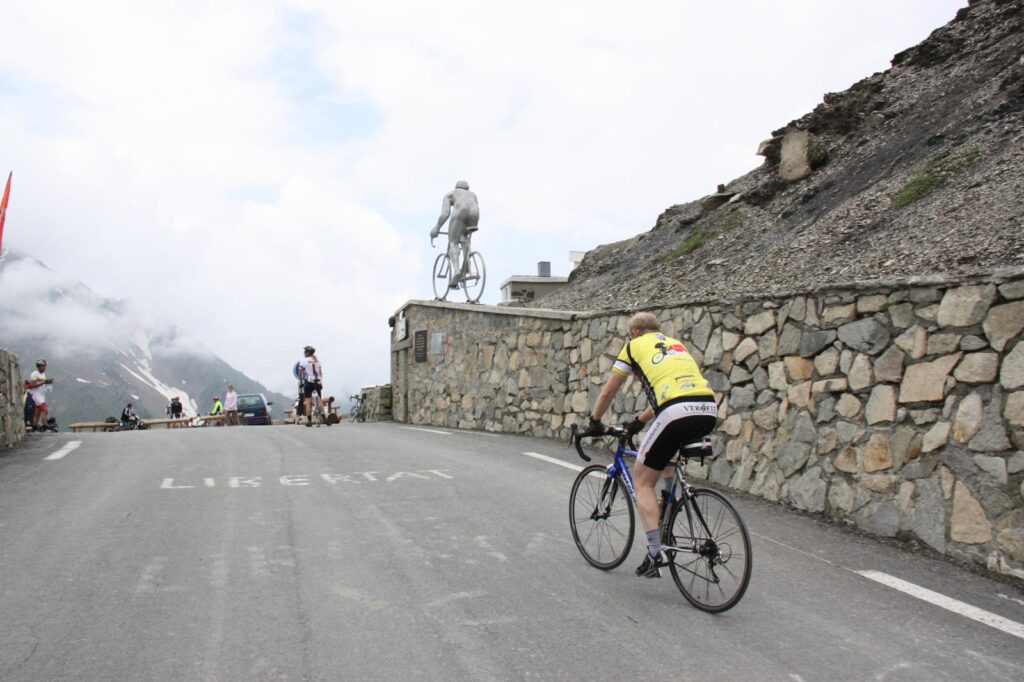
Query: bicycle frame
{"points": [[618, 468]]}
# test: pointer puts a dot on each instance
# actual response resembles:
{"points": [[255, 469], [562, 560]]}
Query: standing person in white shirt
{"points": [[311, 375], [231, 407], [38, 386]]}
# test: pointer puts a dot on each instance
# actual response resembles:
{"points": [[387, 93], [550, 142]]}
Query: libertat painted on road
{"points": [[298, 480]]}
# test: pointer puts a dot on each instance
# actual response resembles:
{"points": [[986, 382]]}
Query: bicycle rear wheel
{"points": [[710, 551], [475, 278], [602, 518]]}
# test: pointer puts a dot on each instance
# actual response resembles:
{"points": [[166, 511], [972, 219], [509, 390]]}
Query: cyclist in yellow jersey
{"points": [[682, 405]]}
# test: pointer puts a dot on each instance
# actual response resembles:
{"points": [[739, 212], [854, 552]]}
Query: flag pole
{"points": [[3, 210]]}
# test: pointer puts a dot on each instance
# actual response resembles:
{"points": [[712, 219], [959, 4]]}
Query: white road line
{"points": [[66, 450], [552, 460], [973, 612], [413, 428]]}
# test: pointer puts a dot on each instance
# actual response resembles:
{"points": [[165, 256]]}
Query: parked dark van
{"points": [[253, 408]]}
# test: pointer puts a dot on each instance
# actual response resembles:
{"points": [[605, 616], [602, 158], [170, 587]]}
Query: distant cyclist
{"points": [[685, 407], [311, 375]]}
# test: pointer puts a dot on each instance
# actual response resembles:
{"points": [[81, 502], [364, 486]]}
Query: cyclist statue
{"points": [[461, 206], [685, 407]]}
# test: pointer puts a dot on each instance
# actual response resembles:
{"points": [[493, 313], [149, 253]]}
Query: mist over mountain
{"points": [[103, 353]]}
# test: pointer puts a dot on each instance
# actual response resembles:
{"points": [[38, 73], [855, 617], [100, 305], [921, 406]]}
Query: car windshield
{"points": [[250, 401]]}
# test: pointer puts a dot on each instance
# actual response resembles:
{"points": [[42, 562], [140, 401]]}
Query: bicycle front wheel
{"points": [[442, 272], [710, 551], [602, 518]]}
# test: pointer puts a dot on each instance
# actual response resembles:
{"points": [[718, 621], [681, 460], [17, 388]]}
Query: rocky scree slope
{"points": [[918, 170]]}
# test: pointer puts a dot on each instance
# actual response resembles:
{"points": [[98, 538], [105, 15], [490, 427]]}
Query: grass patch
{"points": [[936, 173], [731, 221]]}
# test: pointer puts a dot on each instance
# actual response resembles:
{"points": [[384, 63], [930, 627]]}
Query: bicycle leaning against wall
{"points": [[702, 533]]}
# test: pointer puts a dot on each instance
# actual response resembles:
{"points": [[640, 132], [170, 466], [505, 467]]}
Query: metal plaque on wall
{"points": [[419, 345]]}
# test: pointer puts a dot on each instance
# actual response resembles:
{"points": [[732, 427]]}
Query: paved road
{"points": [[376, 551]]}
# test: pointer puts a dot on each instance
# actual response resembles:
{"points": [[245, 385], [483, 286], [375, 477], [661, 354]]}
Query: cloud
{"points": [[265, 174]]}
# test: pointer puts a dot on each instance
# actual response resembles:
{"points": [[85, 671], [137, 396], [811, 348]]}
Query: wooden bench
{"points": [[168, 423], [93, 426], [207, 419]]}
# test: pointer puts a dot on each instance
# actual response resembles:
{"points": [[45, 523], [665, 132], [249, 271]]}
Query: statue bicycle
{"points": [[470, 276], [460, 267]]}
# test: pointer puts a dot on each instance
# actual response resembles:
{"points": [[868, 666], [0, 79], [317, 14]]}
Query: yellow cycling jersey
{"points": [[665, 368]]}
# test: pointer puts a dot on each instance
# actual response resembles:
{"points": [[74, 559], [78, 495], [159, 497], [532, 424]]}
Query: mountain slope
{"points": [[103, 353], [914, 171]]}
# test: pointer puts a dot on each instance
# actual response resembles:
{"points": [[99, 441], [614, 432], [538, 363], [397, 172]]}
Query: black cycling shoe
{"points": [[650, 568]]}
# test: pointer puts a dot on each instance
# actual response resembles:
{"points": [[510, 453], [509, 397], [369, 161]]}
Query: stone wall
{"points": [[897, 407], [377, 403], [12, 409]]}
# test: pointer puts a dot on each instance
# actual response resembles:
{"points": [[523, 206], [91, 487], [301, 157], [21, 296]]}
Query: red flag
{"points": [[3, 210]]}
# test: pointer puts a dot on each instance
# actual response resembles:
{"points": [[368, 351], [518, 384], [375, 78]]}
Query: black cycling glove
{"points": [[594, 428], [634, 427]]}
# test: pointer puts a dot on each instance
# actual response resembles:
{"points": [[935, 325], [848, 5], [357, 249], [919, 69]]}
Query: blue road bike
{"points": [[704, 536]]}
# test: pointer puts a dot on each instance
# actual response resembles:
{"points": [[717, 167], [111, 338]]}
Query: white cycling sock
{"points": [[653, 542]]}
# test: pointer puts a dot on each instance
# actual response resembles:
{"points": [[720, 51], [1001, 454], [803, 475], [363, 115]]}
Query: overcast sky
{"points": [[264, 174]]}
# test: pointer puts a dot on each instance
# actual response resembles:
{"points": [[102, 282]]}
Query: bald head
{"points": [[641, 323], [461, 184]]}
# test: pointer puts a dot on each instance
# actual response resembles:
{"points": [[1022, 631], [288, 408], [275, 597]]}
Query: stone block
{"points": [[878, 453], [759, 323], [701, 333], [925, 381], [838, 313], [791, 457], [994, 467], [972, 342], [738, 375], [807, 492], [992, 436], [880, 518], [828, 439], [800, 153], [741, 398], [830, 386], [811, 343], [928, 520], [800, 369], [827, 362], [859, 375], [906, 445], [928, 313], [777, 376], [789, 339], [799, 395], [965, 306], [1011, 291], [732, 425], [1015, 464], [878, 483], [968, 524], [746, 348], [767, 417], [942, 344], [1010, 534], [913, 341], [1013, 412], [866, 336], [768, 345], [889, 365], [1011, 375], [881, 405], [977, 368], [902, 315], [1004, 322], [848, 460], [968, 418], [848, 406], [872, 303], [936, 437]]}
